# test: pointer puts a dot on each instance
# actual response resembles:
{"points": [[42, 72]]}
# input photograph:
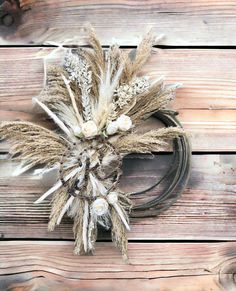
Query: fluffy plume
{"points": [[156, 98], [135, 59], [32, 143], [152, 141], [55, 90], [96, 45], [142, 53]]}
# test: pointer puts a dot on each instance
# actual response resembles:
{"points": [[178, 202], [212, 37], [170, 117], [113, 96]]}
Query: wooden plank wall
{"points": [[191, 246]]}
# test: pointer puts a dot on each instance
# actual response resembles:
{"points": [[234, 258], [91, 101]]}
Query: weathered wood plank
{"points": [[183, 22], [153, 266], [205, 211], [206, 103]]}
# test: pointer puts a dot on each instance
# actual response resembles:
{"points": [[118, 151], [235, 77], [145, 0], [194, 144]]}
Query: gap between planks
{"points": [[183, 22]]}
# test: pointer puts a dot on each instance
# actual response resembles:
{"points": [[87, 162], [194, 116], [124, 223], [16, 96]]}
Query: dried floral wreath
{"points": [[96, 99]]}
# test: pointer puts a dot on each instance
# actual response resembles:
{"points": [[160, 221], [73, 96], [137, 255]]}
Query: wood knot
{"points": [[7, 20], [7, 12], [227, 272], [10, 16]]}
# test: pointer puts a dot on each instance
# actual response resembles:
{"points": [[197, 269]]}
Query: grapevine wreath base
{"points": [[97, 98]]}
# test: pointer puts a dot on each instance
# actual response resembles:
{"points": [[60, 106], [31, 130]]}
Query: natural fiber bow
{"points": [[96, 99]]}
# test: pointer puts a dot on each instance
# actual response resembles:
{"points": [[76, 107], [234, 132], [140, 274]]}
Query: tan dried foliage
{"points": [[33, 143], [152, 141]]}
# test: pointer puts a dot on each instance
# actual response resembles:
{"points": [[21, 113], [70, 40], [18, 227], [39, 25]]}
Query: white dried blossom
{"points": [[112, 128], [124, 122], [100, 206], [89, 129], [77, 131], [112, 198]]}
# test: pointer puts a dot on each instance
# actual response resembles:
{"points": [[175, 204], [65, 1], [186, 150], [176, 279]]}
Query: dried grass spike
{"points": [[152, 141], [119, 235], [142, 53], [33, 143], [152, 100], [78, 229], [58, 202], [96, 45]]}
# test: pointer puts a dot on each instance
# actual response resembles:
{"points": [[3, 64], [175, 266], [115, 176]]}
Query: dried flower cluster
{"points": [[96, 99]]}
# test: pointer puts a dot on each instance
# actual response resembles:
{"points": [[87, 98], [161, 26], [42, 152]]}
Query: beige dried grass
{"points": [[33, 143], [96, 45], [59, 200], [156, 98], [55, 90], [78, 230], [152, 141], [119, 234]]}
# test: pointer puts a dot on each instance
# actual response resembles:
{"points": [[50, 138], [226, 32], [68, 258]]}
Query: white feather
{"points": [[74, 208], [101, 187], [48, 176], [67, 115], [44, 72], [21, 169], [54, 118], [45, 170], [159, 38], [56, 186], [97, 185], [122, 217]]}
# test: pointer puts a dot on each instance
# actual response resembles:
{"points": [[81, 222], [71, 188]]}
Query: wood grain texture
{"points": [[205, 211], [159, 266], [187, 23], [32, 258], [206, 103]]}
